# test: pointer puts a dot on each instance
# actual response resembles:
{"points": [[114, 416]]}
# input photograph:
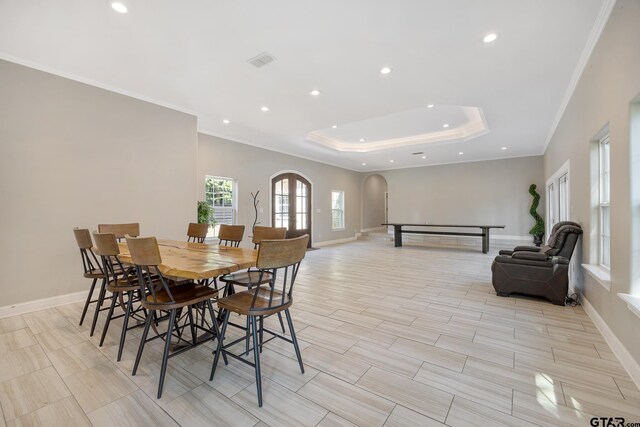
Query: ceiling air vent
{"points": [[261, 60], [418, 153]]}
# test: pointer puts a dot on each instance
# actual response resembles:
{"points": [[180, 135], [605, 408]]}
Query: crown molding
{"points": [[594, 36]]}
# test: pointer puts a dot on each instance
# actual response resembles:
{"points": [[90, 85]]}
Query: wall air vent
{"points": [[261, 60]]}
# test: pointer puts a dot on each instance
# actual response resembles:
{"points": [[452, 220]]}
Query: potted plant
{"points": [[537, 231], [205, 214]]}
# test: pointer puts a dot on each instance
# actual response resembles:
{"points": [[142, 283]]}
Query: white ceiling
{"points": [[192, 55]]}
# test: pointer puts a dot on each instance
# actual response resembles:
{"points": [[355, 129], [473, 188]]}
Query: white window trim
{"points": [[234, 201], [344, 214], [601, 204], [601, 275], [565, 169], [633, 302]]}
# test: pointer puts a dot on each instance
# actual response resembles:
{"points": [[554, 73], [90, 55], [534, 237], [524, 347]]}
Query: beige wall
{"points": [[253, 168], [75, 155], [491, 192], [373, 191], [603, 95]]}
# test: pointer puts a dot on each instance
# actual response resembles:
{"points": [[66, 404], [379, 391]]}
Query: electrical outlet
{"points": [[261, 210], [319, 236]]}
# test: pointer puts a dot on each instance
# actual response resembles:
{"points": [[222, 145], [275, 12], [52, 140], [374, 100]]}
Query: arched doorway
{"points": [[375, 202], [291, 204]]}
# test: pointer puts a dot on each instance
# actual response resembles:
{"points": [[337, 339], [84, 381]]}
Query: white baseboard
{"points": [[623, 355], [41, 304], [333, 242], [368, 230]]}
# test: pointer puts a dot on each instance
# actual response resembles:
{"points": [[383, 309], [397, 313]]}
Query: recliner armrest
{"points": [[526, 249], [502, 259], [533, 256]]}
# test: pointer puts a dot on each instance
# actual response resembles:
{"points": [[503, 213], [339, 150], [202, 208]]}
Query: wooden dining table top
{"points": [[197, 260]]}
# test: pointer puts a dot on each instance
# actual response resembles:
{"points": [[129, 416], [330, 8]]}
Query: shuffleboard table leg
{"points": [[397, 235], [485, 240]]}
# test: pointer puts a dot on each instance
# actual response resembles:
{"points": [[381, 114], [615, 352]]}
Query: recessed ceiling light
{"points": [[446, 125], [314, 92], [424, 157], [385, 70], [118, 6], [334, 127], [265, 109], [503, 148], [431, 105], [225, 121], [460, 153], [491, 37], [391, 161], [362, 139], [364, 164]]}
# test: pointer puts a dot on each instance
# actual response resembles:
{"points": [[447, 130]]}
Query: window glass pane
{"points": [[337, 210]]}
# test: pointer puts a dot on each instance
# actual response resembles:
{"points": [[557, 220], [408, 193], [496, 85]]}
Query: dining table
{"points": [[197, 261]]}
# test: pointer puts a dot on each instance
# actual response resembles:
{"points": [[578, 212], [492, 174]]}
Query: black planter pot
{"points": [[537, 239]]}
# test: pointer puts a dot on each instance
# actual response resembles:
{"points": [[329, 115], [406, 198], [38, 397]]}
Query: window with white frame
{"points": [[220, 194], [604, 215], [558, 197], [337, 210]]}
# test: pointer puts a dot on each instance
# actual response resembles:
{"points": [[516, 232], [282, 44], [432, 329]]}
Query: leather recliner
{"points": [[541, 272]]}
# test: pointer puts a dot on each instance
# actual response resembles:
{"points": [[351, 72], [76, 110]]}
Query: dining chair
{"points": [[92, 270], [252, 277], [273, 257], [231, 235], [197, 232], [174, 300], [121, 282], [120, 230]]}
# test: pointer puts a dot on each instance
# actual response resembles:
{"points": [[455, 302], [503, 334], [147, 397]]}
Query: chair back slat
{"points": [[144, 251], [230, 235], [281, 253], [90, 263], [83, 238], [267, 233], [106, 244], [197, 232], [120, 230], [145, 254]]}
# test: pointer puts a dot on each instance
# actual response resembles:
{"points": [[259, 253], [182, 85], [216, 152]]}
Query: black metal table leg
{"points": [[397, 235], [485, 240]]}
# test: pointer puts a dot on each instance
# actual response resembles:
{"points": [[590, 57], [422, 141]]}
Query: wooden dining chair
{"points": [[120, 230], [252, 277], [92, 270], [230, 235], [197, 232], [174, 300], [274, 256], [121, 282]]}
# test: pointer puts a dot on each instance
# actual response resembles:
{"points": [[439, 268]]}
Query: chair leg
{"points": [[125, 325], [248, 334], [294, 339], [143, 341], [98, 305], [108, 321], [167, 347], [256, 358], [192, 326], [86, 304], [261, 332], [281, 322], [220, 340], [216, 328]]}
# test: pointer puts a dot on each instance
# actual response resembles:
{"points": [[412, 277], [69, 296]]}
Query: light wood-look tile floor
{"points": [[410, 336]]}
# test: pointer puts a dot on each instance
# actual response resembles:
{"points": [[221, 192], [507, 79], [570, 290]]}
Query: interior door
{"points": [[291, 204]]}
